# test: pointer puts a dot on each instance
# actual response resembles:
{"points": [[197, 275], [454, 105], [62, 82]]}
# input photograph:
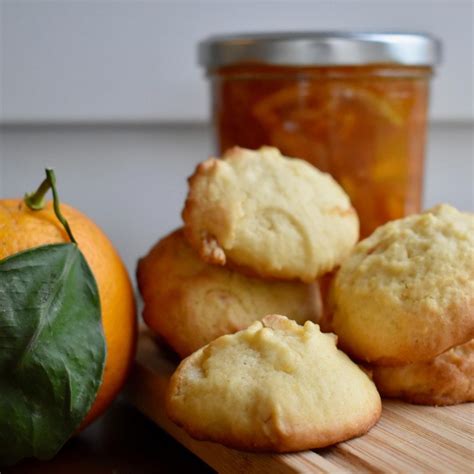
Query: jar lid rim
{"points": [[321, 48]]}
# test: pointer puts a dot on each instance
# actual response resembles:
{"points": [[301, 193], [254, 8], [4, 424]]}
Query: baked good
{"points": [[269, 215], [275, 386], [406, 293], [189, 302], [447, 379]]}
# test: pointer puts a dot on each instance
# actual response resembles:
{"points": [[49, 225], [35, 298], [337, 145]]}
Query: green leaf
{"points": [[52, 349]]}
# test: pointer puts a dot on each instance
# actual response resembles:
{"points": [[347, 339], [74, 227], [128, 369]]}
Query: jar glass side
{"points": [[366, 126]]}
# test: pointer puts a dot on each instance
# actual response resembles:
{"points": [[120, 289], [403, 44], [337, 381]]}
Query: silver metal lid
{"points": [[321, 48]]}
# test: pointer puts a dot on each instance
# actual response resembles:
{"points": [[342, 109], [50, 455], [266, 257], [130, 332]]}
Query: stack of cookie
{"points": [[259, 229], [404, 302]]}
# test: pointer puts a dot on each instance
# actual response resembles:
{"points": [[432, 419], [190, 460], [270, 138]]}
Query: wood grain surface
{"points": [[407, 439]]}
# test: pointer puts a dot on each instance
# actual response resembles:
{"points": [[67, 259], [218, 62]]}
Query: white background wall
{"points": [[136, 60], [109, 94]]}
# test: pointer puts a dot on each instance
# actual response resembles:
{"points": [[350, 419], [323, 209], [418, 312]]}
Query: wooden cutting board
{"points": [[407, 439]]}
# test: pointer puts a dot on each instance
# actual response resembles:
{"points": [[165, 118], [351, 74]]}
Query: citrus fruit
{"points": [[22, 228]]}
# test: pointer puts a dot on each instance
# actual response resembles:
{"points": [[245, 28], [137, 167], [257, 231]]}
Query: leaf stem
{"points": [[56, 204], [35, 201]]}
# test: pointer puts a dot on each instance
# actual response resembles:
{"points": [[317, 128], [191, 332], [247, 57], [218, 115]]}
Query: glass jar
{"points": [[353, 105]]}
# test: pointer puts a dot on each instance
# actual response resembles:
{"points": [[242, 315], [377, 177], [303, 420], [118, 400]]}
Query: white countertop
{"points": [[132, 179]]}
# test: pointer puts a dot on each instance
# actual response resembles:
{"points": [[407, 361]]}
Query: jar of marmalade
{"points": [[352, 104]]}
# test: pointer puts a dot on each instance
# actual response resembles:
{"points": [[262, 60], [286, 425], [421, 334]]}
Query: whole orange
{"points": [[22, 228]]}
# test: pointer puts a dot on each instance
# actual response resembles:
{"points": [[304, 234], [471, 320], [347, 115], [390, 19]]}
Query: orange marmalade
{"points": [[365, 124]]}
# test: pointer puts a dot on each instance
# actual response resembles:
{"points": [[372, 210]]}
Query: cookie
{"points": [[406, 294], [447, 379], [189, 302], [276, 386], [269, 215]]}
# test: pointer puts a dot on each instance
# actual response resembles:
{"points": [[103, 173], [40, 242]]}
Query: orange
{"points": [[22, 228]]}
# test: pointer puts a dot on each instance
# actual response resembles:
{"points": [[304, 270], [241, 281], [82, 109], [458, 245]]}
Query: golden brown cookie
{"points": [[276, 386], [447, 379], [274, 216], [406, 294], [189, 302]]}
